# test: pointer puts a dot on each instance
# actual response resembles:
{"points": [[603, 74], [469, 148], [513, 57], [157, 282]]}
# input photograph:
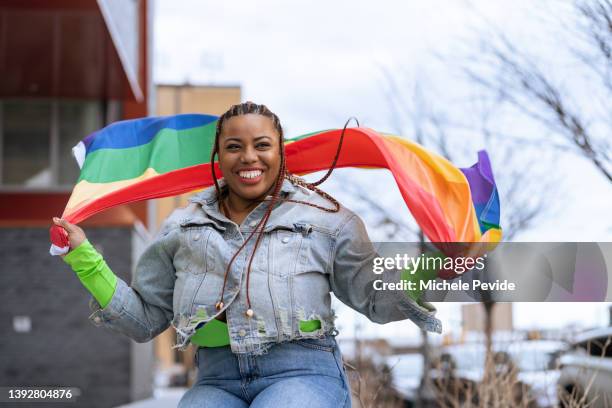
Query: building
{"points": [[69, 67], [173, 100], [473, 317]]}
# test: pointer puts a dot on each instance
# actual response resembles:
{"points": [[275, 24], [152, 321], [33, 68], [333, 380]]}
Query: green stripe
{"points": [[295, 139], [169, 150], [489, 226]]}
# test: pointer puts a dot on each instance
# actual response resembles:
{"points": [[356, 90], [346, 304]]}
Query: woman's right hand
{"points": [[76, 235]]}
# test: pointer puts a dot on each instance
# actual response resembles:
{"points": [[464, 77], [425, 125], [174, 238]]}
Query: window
{"points": [[26, 143], [598, 347], [76, 120], [37, 136]]}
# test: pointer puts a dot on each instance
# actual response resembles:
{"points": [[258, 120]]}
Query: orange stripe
{"points": [[436, 192], [437, 177], [85, 192]]}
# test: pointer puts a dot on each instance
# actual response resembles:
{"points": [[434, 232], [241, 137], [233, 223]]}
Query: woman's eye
{"points": [[262, 145], [232, 147]]}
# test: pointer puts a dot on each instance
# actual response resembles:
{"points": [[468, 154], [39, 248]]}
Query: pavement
{"points": [[163, 398]]}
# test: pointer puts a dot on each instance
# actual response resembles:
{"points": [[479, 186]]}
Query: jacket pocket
{"points": [[326, 343], [192, 255], [287, 246]]}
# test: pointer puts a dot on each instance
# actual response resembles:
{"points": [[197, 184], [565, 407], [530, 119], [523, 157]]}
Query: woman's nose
{"points": [[249, 155]]}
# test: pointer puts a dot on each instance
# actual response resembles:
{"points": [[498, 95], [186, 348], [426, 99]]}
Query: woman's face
{"points": [[249, 155]]}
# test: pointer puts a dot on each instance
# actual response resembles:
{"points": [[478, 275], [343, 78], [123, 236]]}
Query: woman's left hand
{"points": [[76, 235]]}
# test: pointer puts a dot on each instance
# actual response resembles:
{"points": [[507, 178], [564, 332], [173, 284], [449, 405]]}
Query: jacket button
{"points": [[242, 332], [285, 240], [253, 224], [196, 237], [97, 319]]}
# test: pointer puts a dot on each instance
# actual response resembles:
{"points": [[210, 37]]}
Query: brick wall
{"points": [[62, 347]]}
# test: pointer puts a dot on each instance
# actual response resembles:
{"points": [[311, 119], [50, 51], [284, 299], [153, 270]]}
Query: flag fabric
{"points": [[156, 157]]}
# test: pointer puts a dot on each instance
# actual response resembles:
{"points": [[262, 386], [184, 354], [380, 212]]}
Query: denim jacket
{"points": [[303, 255]]}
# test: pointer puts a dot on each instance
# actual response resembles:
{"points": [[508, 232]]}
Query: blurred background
{"points": [[531, 82]]}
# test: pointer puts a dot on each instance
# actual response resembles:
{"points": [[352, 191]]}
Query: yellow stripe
{"points": [[446, 183], [85, 192], [439, 163]]}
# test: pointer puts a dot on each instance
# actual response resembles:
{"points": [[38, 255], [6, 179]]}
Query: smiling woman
{"points": [[245, 272], [250, 161]]}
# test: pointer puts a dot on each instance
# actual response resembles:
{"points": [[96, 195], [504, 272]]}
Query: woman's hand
{"points": [[76, 235]]}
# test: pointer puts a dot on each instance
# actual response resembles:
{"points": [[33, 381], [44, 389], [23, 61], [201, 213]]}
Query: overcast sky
{"points": [[317, 63]]}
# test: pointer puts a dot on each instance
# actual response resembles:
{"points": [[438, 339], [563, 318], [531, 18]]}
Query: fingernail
{"points": [[55, 219]]}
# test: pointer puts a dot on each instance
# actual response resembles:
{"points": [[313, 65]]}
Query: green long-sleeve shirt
{"points": [[100, 281]]}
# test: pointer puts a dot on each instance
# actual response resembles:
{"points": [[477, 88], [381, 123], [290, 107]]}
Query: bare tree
{"points": [[412, 115], [523, 194], [516, 77]]}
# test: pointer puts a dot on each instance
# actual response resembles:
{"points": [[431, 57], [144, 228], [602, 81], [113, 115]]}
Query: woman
{"points": [[244, 272]]}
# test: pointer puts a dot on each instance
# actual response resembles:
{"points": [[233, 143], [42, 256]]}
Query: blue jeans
{"points": [[301, 373]]}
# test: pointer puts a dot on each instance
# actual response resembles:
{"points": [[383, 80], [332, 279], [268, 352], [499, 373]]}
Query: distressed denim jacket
{"points": [[303, 255]]}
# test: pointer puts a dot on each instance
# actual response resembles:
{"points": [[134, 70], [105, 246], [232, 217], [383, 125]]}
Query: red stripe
{"points": [[361, 147]]}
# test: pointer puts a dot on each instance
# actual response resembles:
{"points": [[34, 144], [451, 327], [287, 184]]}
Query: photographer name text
{"points": [[443, 285]]}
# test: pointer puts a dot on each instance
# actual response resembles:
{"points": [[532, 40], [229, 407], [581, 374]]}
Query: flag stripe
{"points": [[169, 156], [138, 132], [169, 150], [85, 192]]}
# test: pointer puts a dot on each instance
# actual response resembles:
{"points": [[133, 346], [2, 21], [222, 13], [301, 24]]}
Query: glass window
{"points": [[598, 347], [77, 119], [38, 136], [26, 143]]}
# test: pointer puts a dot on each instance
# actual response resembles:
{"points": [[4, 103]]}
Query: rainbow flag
{"points": [[156, 157]]}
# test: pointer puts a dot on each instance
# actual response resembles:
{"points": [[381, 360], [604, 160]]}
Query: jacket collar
{"points": [[208, 198]]}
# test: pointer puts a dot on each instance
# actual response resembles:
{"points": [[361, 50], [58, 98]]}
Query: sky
{"points": [[317, 63]]}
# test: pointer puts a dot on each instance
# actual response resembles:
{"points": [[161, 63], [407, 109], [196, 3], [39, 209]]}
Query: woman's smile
{"points": [[250, 176], [249, 157]]}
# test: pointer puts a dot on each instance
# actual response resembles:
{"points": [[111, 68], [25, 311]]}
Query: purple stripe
{"points": [[480, 178]]}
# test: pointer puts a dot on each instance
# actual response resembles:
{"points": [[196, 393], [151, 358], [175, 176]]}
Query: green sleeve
{"points": [[93, 272]]}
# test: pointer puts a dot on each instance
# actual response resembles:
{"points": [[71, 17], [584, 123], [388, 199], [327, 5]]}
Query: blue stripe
{"points": [[489, 213], [138, 132]]}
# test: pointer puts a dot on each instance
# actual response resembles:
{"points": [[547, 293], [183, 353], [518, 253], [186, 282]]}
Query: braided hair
{"points": [[253, 108]]}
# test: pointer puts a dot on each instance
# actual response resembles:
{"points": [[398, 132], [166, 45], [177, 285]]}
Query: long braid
{"points": [[333, 165], [313, 186], [252, 108]]}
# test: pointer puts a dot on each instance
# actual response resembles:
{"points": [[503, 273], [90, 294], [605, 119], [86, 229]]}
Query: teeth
{"points": [[250, 174]]}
